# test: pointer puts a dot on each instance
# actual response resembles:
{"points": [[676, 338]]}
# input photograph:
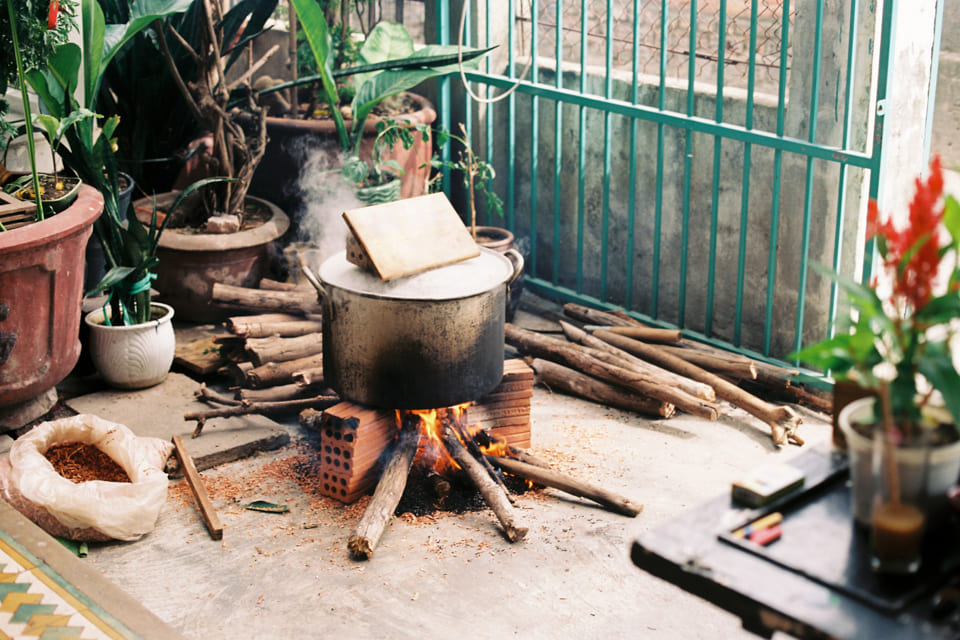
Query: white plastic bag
{"points": [[118, 510]]}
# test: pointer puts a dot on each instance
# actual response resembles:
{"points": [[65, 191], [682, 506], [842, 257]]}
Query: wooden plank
{"points": [[210, 517], [411, 236], [201, 356]]}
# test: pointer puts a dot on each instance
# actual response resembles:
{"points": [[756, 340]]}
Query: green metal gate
{"points": [[684, 160]]}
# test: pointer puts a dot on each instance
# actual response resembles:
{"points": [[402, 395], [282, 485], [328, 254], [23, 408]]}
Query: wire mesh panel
{"points": [[685, 160]]}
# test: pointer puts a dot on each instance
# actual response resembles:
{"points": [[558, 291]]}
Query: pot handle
{"points": [[517, 259], [314, 280]]}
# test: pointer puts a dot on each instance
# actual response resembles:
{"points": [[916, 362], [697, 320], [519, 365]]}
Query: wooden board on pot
{"points": [[408, 236]]}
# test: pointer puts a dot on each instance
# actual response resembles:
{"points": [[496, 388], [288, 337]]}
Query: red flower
{"points": [[52, 14], [912, 254]]}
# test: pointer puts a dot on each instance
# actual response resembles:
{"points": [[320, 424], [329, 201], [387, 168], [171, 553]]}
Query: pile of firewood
{"points": [[611, 358], [275, 365]]}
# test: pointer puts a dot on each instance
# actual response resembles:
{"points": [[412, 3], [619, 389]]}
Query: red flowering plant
{"points": [[901, 339]]}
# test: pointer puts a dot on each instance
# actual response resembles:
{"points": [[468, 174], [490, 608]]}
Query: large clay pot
{"points": [[41, 284], [134, 356], [190, 263], [290, 140]]}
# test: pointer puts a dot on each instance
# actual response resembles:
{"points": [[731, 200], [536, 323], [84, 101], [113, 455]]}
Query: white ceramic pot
{"points": [[136, 356], [943, 472]]}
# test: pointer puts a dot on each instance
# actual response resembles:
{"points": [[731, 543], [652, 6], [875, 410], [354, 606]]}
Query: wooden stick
{"points": [[276, 349], [491, 492], [268, 284], [557, 480], [259, 300], [738, 369], [783, 421], [205, 394], [236, 371], [560, 377], [274, 373], [595, 316], [475, 451], [279, 393], [265, 408], [313, 376], [629, 361], [281, 329], [647, 334], [235, 324], [386, 496], [575, 356], [210, 517]]}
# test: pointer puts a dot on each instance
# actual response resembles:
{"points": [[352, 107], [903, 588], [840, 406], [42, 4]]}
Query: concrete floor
{"points": [[289, 575]]}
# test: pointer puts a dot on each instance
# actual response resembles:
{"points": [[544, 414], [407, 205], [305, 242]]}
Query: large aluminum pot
{"points": [[430, 340]]}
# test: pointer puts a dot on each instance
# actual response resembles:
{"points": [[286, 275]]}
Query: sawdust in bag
{"points": [[94, 510]]}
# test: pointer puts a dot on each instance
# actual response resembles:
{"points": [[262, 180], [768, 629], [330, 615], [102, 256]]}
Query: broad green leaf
{"points": [[48, 123], [267, 507], [313, 24], [936, 365], [951, 218]]}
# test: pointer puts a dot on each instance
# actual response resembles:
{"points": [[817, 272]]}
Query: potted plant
{"points": [[386, 68], [898, 347], [221, 234], [42, 267]]}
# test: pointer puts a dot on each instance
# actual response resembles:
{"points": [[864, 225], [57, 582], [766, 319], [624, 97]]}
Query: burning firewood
{"points": [[783, 421], [494, 496], [387, 495]]}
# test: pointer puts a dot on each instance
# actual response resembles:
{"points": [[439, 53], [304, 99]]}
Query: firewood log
{"points": [[259, 300], [387, 495], [265, 408], [284, 329], [280, 392], [557, 376], [783, 421], [274, 373], [647, 334], [555, 479], [495, 497], [738, 369], [574, 356], [595, 316], [275, 349], [629, 361]]}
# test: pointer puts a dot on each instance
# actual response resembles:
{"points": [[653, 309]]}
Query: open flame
{"points": [[432, 454]]}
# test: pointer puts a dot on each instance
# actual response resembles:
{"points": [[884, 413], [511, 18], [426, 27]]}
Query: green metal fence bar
{"points": [[607, 123], [658, 206], [632, 168], [535, 131], [557, 148], [511, 123], [808, 188], [687, 169], [581, 151], [841, 192], [717, 157], [777, 166], [745, 180]]}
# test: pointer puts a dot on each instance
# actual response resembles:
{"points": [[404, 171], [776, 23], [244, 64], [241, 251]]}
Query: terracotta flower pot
{"points": [[291, 139], [190, 263], [41, 284]]}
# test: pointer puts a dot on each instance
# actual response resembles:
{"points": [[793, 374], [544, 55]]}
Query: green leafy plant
{"points": [[477, 175], [388, 65], [900, 340], [129, 248]]}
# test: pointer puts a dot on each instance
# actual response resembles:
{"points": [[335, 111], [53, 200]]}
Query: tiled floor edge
{"points": [[111, 601]]}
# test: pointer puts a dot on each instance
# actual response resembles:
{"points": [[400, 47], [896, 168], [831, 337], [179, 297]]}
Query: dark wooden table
{"points": [[815, 581]]}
